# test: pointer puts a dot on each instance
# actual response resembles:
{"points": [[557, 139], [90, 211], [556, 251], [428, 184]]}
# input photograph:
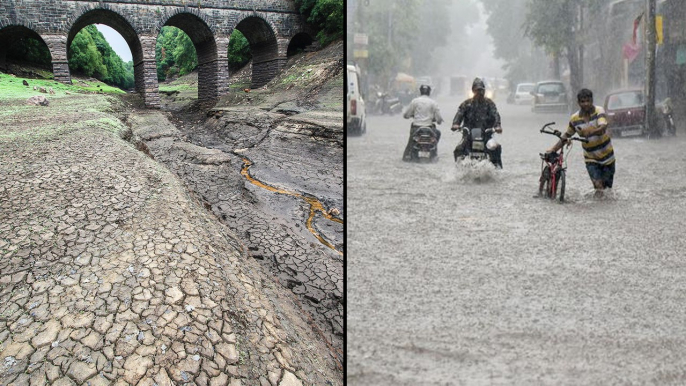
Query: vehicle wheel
{"points": [[561, 184], [364, 127], [544, 183]]}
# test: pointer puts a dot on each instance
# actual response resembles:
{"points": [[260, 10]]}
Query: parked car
{"points": [[550, 96], [356, 123], [625, 111], [522, 94]]}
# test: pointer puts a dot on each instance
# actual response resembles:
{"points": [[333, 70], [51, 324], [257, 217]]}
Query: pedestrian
{"points": [[590, 122], [478, 112], [424, 112]]}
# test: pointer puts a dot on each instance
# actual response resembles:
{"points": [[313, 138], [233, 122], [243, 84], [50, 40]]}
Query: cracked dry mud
{"points": [[271, 225], [112, 272]]}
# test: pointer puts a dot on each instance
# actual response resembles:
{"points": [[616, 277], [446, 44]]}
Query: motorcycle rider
{"points": [[478, 112], [424, 112]]}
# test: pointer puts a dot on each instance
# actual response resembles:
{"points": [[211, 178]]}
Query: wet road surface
{"points": [[457, 281]]}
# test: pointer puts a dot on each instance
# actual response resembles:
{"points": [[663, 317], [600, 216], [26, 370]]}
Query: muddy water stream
{"points": [[315, 204]]}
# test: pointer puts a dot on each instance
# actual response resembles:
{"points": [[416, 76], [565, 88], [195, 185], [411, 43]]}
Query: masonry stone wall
{"points": [[267, 24]]}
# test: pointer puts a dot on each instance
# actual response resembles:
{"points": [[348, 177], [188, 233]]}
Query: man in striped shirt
{"points": [[591, 122]]}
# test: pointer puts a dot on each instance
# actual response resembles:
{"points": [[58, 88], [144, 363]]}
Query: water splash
{"points": [[469, 170]]}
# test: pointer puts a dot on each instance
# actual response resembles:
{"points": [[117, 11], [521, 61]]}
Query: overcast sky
{"points": [[116, 41]]}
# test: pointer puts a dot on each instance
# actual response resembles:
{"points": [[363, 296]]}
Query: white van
{"points": [[356, 123]]}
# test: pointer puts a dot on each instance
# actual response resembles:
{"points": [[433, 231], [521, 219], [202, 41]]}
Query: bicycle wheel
{"points": [[561, 184], [544, 183]]}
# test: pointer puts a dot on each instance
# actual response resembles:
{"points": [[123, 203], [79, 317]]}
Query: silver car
{"points": [[522, 94], [550, 96]]}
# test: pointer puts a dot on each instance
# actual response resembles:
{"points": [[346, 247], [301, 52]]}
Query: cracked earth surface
{"points": [[112, 272]]}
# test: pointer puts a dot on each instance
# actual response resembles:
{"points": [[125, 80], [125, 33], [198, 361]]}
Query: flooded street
{"points": [[458, 281]]}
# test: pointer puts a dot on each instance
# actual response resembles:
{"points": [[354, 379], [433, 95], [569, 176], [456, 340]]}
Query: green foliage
{"points": [[84, 55], [404, 35], [175, 53], [434, 29], [239, 50], [90, 54], [507, 27], [29, 49], [554, 26], [326, 16]]}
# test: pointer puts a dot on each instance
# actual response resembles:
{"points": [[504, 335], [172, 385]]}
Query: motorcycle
{"points": [[424, 147], [386, 104], [478, 148]]}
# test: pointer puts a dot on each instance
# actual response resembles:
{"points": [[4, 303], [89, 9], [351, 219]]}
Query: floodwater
{"points": [[459, 276]]}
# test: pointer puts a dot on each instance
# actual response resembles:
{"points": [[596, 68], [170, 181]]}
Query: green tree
{"points": [[326, 16], [175, 53], [392, 28], [29, 49], [84, 55], [506, 25], [433, 32], [92, 55], [555, 26], [184, 53], [239, 50], [407, 35]]}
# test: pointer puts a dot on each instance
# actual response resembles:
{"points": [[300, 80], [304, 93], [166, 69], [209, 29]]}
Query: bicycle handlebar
{"points": [[558, 134]]}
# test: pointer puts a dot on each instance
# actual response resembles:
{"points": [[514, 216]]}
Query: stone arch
{"points": [[13, 33], [203, 38], [264, 47], [112, 19], [299, 42]]}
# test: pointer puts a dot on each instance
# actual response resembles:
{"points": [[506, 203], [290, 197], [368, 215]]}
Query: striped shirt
{"points": [[599, 147]]}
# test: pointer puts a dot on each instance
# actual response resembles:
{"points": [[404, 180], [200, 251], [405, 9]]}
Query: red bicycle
{"points": [[553, 170]]}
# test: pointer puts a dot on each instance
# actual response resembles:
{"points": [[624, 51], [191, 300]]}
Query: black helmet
{"points": [[478, 84], [424, 89]]}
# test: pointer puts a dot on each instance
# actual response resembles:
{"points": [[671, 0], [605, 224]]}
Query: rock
{"points": [[48, 335], [81, 371], [43, 90], [290, 380], [51, 91], [25, 83], [135, 368], [38, 100]]}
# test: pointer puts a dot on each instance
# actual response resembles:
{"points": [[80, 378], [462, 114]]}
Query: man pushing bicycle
{"points": [[590, 122]]}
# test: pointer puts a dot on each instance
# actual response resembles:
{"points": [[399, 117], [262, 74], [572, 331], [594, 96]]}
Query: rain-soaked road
{"points": [[455, 282]]}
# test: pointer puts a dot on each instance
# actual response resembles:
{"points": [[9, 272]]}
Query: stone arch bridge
{"points": [[270, 26]]}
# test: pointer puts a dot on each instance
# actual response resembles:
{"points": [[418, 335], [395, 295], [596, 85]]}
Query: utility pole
{"points": [[650, 121], [360, 39], [582, 34]]}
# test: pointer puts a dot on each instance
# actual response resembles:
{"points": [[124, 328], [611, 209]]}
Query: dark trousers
{"points": [[407, 155]]}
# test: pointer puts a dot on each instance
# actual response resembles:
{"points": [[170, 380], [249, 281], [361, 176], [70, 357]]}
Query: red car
{"points": [[625, 111]]}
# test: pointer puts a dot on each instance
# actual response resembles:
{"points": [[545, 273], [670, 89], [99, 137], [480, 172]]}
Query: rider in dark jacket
{"points": [[478, 112]]}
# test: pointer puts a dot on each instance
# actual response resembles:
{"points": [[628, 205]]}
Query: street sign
{"points": [[658, 28], [360, 54], [361, 39]]}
